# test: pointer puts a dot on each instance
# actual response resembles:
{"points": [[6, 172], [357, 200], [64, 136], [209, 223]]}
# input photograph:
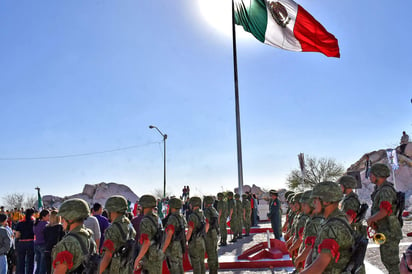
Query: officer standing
{"points": [[274, 213], [150, 257], [175, 242], [246, 214], [211, 216], [332, 249], [238, 217], [383, 219], [116, 235], [195, 236], [232, 214], [68, 253], [222, 210]]}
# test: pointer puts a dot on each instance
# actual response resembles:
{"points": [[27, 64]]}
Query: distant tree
{"points": [[316, 171], [30, 201], [158, 193], [13, 200]]}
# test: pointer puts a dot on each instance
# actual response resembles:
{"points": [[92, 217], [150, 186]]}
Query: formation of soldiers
{"points": [[325, 231]]}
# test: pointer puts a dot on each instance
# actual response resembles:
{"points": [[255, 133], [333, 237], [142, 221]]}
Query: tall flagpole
{"points": [[238, 133]]}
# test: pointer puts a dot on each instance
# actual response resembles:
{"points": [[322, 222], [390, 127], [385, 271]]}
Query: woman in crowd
{"points": [[53, 233], [25, 244], [39, 242]]}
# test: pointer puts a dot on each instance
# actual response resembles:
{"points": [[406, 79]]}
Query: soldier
{"points": [[237, 230], [350, 203], [222, 210], [115, 236], [232, 213], [332, 248], [150, 257], [312, 227], [68, 253], [195, 236], [275, 213], [175, 242], [289, 216], [211, 216], [247, 212], [298, 212], [382, 218]]}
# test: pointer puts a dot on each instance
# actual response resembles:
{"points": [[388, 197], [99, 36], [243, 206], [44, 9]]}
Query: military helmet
{"points": [[220, 195], [380, 170], [116, 203], [230, 194], [296, 198], [348, 181], [237, 196], [195, 201], [74, 209], [327, 191], [175, 203], [244, 196], [290, 198], [287, 193], [208, 200], [147, 201], [306, 197]]}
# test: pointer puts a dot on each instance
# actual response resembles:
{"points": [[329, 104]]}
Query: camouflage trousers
{"points": [[246, 224], [390, 255], [153, 261], [211, 250], [197, 255], [223, 230], [174, 257]]}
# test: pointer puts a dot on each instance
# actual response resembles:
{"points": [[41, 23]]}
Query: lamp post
{"points": [[164, 158]]}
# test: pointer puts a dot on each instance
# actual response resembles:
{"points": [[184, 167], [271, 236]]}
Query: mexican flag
{"points": [[39, 200], [284, 24]]}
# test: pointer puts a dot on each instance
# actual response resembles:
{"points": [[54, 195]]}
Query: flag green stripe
{"points": [[252, 16]]}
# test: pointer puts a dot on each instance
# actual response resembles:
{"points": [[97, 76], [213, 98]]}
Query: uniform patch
{"points": [[109, 245], [386, 206], [144, 237], [331, 245], [64, 257]]}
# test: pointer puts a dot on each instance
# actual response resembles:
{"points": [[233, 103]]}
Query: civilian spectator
{"points": [[5, 243], [53, 233], [92, 223], [25, 244], [39, 242], [103, 222]]}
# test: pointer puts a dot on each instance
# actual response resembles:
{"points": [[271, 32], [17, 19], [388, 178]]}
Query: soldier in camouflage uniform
{"points": [[298, 214], [175, 242], [195, 236], [68, 253], [115, 236], [247, 212], [222, 210], [300, 225], [211, 216], [237, 230], [231, 213], [332, 248], [382, 217], [289, 215], [150, 257], [312, 227]]}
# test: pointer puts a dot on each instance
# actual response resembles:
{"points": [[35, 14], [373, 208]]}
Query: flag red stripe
{"points": [[313, 36]]}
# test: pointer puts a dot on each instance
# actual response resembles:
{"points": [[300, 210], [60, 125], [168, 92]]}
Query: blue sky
{"points": [[80, 77]]}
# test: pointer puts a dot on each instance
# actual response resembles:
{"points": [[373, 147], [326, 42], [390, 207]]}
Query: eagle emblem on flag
{"points": [[279, 13]]}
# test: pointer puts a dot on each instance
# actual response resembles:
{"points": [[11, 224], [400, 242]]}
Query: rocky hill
{"points": [[94, 193]]}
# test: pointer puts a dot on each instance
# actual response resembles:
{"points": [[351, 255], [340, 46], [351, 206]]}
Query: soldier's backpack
{"points": [[400, 204], [179, 234], [200, 231], [358, 249], [126, 251], [360, 215], [91, 259], [160, 235]]}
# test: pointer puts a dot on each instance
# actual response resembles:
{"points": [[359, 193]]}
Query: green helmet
{"points": [[208, 200], [195, 201], [74, 209], [175, 203], [237, 196], [230, 194], [244, 196], [147, 201], [306, 197], [116, 203], [327, 191], [380, 170], [287, 193], [348, 181], [296, 198], [220, 195]]}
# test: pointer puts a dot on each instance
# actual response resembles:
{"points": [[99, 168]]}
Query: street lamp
{"points": [[164, 158]]}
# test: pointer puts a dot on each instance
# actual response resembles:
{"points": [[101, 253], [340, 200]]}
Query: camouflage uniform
{"points": [[335, 236], [222, 209], [246, 214], [211, 216], [231, 207], [114, 238], [197, 242], [238, 217], [174, 251], [153, 259], [384, 196], [69, 249], [310, 232]]}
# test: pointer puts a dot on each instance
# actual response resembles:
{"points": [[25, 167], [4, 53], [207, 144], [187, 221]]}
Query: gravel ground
{"points": [[372, 254]]}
